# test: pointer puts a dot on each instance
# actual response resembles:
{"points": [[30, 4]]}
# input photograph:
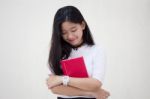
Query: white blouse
{"points": [[94, 58]]}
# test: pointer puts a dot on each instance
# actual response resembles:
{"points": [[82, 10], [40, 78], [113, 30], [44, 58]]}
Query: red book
{"points": [[74, 67]]}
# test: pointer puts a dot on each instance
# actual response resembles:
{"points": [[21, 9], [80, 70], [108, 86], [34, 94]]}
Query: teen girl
{"points": [[71, 38]]}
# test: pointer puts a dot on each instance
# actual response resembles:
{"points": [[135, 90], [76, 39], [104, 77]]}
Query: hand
{"points": [[53, 81], [101, 94]]}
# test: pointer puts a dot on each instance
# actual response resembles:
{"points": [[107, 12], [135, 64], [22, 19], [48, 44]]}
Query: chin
{"points": [[73, 43]]}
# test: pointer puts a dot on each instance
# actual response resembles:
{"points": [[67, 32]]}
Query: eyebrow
{"points": [[70, 28], [73, 27]]}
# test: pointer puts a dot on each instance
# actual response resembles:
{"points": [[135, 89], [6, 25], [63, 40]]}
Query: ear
{"points": [[83, 25]]}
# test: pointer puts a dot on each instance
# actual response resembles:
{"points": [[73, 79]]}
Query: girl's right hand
{"points": [[54, 80]]}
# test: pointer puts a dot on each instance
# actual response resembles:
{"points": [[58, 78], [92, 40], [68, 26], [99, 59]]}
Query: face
{"points": [[72, 32]]}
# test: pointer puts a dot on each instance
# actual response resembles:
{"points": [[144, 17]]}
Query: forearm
{"points": [[86, 84], [69, 91]]}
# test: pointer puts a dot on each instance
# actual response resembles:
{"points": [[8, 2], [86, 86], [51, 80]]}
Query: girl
{"points": [[72, 38]]}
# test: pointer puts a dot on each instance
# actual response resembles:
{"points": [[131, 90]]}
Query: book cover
{"points": [[74, 67]]}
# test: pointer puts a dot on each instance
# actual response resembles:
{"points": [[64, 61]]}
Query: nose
{"points": [[70, 36]]}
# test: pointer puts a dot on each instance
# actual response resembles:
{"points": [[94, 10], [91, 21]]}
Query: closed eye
{"points": [[74, 30], [64, 32]]}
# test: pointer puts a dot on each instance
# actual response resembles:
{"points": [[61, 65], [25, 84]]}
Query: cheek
{"points": [[80, 34], [64, 37]]}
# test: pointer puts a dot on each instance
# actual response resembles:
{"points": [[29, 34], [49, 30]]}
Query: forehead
{"points": [[68, 25]]}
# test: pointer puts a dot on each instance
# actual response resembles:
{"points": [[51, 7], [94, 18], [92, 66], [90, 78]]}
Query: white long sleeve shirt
{"points": [[94, 58]]}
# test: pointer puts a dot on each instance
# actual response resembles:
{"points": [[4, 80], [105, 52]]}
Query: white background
{"points": [[122, 26]]}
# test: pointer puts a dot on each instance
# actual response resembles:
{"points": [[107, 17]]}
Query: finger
{"points": [[108, 94], [104, 97], [49, 87]]}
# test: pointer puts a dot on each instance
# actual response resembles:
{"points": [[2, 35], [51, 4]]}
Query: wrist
{"points": [[65, 80]]}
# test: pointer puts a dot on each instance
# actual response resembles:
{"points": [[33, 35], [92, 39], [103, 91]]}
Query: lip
{"points": [[71, 40]]}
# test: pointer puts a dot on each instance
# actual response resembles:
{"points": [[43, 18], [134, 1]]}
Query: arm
{"points": [[86, 84], [69, 91]]}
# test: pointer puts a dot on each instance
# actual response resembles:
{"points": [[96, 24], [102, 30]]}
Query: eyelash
{"points": [[71, 31], [64, 33]]}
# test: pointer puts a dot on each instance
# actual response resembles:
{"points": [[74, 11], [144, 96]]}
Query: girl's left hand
{"points": [[53, 81], [102, 94]]}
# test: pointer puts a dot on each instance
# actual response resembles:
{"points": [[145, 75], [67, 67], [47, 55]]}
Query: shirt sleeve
{"points": [[99, 61]]}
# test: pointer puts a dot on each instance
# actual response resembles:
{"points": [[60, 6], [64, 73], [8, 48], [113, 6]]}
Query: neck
{"points": [[76, 47]]}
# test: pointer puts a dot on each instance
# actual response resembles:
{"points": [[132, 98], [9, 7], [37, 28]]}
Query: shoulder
{"points": [[98, 51], [92, 49], [98, 47]]}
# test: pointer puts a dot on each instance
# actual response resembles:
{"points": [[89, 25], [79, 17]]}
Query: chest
{"points": [[88, 58]]}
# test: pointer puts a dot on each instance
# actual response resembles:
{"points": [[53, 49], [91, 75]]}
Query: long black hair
{"points": [[59, 48]]}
